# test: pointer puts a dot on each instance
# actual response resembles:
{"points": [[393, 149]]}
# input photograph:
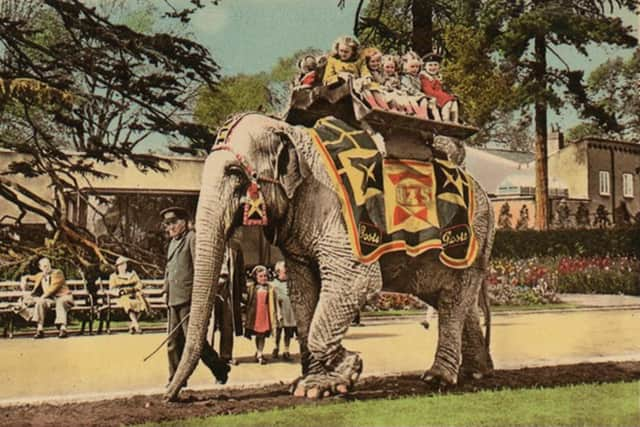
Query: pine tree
{"points": [[532, 30]]}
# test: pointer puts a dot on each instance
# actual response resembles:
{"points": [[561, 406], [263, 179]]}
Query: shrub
{"points": [[584, 243]]}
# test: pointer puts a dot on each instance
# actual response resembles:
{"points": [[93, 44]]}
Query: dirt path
{"points": [[105, 367], [151, 408]]}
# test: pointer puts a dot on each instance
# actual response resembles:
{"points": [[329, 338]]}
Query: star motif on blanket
{"points": [[453, 178]]}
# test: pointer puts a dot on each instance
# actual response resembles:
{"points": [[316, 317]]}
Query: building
{"points": [[598, 172], [126, 204]]}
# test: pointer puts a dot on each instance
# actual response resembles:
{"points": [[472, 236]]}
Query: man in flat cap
{"points": [[178, 284]]}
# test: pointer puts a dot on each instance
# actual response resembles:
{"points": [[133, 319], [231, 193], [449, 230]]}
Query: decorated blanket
{"points": [[397, 205]]}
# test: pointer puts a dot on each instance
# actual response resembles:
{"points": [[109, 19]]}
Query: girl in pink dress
{"points": [[261, 310]]}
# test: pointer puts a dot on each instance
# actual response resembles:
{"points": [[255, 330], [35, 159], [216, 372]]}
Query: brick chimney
{"points": [[555, 142]]}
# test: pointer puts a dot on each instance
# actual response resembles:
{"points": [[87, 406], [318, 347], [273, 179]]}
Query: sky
{"points": [[248, 36]]}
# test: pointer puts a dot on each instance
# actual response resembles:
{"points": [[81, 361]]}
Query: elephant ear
{"points": [[289, 170]]}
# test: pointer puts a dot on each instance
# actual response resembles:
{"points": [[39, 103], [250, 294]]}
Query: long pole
{"points": [[171, 333]]}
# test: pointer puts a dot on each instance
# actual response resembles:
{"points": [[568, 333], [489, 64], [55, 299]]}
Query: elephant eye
{"points": [[235, 170]]}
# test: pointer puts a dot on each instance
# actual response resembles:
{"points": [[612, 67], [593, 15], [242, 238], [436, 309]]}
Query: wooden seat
{"points": [[11, 296], [151, 290]]}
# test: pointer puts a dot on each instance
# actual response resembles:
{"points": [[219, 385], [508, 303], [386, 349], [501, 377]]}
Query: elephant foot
{"points": [[475, 372], [317, 386], [476, 366], [349, 367], [171, 395], [441, 376]]}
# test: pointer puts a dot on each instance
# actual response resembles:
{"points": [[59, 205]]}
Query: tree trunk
{"points": [[422, 35], [542, 175]]}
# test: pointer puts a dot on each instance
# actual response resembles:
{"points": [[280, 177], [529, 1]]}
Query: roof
{"points": [[514, 156], [490, 169]]}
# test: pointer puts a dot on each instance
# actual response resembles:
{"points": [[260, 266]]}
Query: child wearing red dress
{"points": [[308, 74], [431, 84], [261, 310]]}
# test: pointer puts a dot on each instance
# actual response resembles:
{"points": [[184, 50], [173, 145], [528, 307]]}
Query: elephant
{"points": [[328, 283]]}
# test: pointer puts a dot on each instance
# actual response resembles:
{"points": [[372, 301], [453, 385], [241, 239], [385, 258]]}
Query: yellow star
{"points": [[368, 171], [255, 207], [456, 182]]}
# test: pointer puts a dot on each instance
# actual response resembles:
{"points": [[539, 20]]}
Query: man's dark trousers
{"points": [[176, 343]]}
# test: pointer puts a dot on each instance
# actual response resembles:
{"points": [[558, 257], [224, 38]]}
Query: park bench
{"points": [[151, 290], [11, 295]]}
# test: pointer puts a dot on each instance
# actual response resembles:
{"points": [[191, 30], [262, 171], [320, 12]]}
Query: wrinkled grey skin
{"points": [[328, 283]]}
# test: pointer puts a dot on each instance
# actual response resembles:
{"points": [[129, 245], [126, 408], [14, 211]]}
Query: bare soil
{"points": [[151, 408]]}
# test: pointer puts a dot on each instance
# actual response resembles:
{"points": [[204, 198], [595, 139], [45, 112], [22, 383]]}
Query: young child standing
{"points": [[261, 310], [344, 60]]}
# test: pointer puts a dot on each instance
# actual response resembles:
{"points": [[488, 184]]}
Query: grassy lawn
{"points": [[583, 405]]}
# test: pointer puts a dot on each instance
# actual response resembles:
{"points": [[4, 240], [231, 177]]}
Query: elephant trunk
{"points": [[209, 254]]}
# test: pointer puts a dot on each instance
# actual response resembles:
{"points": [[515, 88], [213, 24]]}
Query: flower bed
{"points": [[538, 280]]}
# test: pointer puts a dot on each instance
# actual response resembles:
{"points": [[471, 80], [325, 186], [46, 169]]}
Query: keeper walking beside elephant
{"points": [[178, 288]]}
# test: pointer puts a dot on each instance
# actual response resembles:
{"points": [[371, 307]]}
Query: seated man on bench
{"points": [[50, 290]]}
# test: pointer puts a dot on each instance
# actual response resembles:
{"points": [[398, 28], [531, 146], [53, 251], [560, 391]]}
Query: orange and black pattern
{"points": [[397, 205]]}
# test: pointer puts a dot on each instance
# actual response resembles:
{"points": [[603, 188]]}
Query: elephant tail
{"points": [[486, 309]]}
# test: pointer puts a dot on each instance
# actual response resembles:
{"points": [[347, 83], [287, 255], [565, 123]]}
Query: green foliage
{"points": [[235, 94], [574, 23], [577, 405], [386, 24], [614, 86], [601, 282], [531, 243], [266, 92], [473, 76]]}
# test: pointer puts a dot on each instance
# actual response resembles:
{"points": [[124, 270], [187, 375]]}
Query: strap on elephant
{"points": [[253, 204]]}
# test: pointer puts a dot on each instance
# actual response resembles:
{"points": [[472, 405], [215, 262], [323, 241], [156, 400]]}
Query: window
{"points": [[605, 189], [627, 185]]}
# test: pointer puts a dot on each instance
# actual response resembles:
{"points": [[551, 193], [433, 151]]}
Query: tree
{"points": [[462, 30], [398, 25], [531, 31], [74, 79], [265, 92], [614, 86], [235, 94]]}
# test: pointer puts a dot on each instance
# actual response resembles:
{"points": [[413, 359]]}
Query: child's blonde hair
{"points": [[352, 42], [408, 58], [370, 52], [390, 58]]}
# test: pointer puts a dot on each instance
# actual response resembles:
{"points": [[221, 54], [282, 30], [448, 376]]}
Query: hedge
{"points": [[593, 242]]}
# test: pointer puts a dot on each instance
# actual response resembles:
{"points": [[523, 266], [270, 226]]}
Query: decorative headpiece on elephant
{"points": [[328, 283]]}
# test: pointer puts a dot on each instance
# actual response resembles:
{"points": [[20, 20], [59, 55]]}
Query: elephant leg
{"points": [[453, 306], [304, 290], [344, 290], [476, 358]]}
